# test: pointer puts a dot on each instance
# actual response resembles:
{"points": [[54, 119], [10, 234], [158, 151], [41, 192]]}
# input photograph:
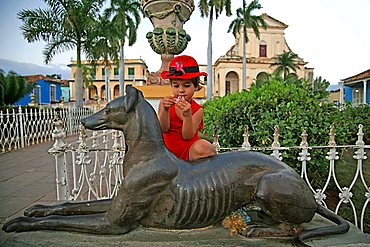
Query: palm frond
{"points": [[126, 18], [285, 62], [39, 25], [203, 8], [237, 23], [57, 47]]}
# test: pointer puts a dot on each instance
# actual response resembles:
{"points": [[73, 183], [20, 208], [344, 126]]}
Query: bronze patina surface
{"points": [[162, 191]]}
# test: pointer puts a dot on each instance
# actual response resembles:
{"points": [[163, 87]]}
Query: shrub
{"points": [[295, 108]]}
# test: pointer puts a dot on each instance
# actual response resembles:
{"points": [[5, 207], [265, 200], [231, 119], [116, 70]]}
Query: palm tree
{"points": [[246, 20], [104, 45], [126, 19], [211, 8], [63, 25], [285, 62]]}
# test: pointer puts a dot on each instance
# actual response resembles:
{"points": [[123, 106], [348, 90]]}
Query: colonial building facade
{"points": [[228, 69], [136, 73]]}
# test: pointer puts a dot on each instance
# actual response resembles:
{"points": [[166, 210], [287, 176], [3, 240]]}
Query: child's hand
{"points": [[167, 102], [184, 107]]}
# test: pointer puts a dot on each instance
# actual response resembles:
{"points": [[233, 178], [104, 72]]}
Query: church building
{"points": [[228, 69]]}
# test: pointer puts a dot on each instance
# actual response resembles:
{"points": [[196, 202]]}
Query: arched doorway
{"points": [[231, 82], [116, 91], [93, 90], [292, 77], [261, 79], [102, 92]]}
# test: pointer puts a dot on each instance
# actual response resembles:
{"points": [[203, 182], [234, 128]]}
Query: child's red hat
{"points": [[183, 67]]}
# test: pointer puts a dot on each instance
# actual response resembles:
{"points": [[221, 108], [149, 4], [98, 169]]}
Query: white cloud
{"points": [[34, 69]]}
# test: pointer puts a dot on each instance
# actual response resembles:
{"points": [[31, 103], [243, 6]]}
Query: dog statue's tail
{"points": [[341, 227]]}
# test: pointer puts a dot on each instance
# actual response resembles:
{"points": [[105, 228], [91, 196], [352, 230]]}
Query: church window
{"points": [[263, 49]]}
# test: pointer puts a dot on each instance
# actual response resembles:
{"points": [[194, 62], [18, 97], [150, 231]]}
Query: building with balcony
{"points": [[136, 73]]}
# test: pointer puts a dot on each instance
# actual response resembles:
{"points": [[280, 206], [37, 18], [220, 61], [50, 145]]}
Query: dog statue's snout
{"points": [[83, 121], [96, 121]]}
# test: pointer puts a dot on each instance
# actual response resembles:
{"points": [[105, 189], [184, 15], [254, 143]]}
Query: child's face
{"points": [[183, 87]]}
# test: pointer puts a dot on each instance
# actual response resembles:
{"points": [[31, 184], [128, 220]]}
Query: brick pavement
{"points": [[27, 177]]}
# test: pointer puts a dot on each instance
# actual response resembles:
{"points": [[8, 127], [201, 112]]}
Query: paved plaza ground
{"points": [[27, 177]]}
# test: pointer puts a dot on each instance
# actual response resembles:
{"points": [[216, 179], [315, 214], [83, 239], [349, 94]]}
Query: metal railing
{"points": [[346, 192], [20, 128], [92, 168]]}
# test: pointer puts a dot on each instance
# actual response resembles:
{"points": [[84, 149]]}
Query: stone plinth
{"points": [[216, 236]]}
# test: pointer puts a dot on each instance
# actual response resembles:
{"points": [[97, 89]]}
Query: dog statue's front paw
{"points": [[38, 211], [19, 224]]}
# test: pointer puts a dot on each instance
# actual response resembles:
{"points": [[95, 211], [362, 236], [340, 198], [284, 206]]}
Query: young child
{"points": [[180, 116]]}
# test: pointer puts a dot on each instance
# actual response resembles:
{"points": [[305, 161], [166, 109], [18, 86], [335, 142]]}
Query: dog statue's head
{"points": [[116, 113]]}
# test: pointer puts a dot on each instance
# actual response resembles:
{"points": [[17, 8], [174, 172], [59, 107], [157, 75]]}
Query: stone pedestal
{"points": [[216, 236], [168, 37]]}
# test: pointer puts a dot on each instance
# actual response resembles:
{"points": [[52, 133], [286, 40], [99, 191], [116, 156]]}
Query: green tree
{"points": [[63, 25], [284, 63], [87, 78], [211, 9], [245, 19], [126, 19], [3, 86], [54, 76], [104, 46], [319, 86], [12, 87]]}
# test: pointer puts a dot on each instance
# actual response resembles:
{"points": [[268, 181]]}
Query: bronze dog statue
{"points": [[162, 191]]}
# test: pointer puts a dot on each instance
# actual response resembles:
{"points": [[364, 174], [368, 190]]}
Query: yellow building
{"points": [[228, 69], [136, 73], [334, 94]]}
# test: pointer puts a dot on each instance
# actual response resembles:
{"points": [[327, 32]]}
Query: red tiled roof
{"points": [[358, 77], [34, 78]]}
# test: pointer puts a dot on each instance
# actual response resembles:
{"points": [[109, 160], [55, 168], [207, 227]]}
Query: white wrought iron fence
{"points": [[92, 167], [346, 191], [20, 128]]}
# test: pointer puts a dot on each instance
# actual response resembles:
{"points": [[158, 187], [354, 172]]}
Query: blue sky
{"points": [[332, 35]]}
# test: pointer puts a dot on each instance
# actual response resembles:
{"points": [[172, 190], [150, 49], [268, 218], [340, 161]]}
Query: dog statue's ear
{"points": [[130, 98]]}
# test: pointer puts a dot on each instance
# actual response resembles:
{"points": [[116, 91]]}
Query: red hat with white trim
{"points": [[183, 67]]}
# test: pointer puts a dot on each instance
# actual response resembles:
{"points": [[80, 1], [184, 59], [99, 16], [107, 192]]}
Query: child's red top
{"points": [[173, 137]]}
